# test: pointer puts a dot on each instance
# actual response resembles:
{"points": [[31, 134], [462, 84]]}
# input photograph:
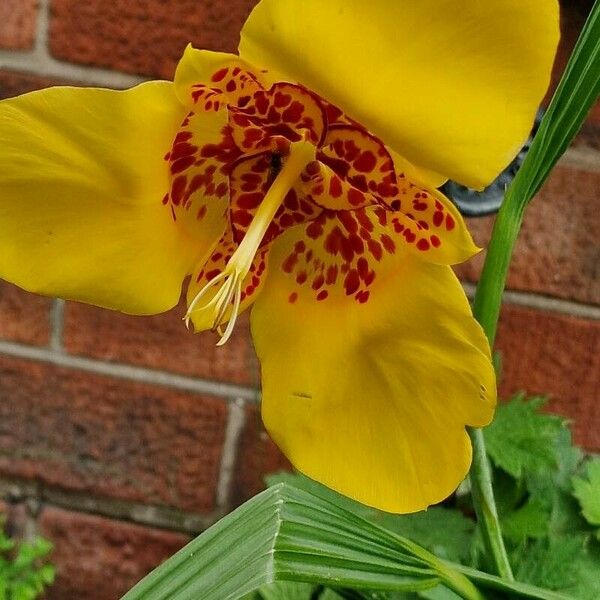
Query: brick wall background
{"points": [[120, 437]]}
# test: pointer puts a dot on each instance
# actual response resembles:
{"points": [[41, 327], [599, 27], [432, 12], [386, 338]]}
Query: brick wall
{"points": [[120, 437]]}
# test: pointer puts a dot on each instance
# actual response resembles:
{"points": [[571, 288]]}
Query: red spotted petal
{"points": [[336, 255], [232, 85], [362, 162], [250, 179], [285, 111]]}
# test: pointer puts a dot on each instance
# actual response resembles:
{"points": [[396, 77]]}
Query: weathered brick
{"points": [[554, 355], [98, 558], [558, 251], [24, 317], [17, 23], [109, 437], [258, 456], [13, 83], [143, 36], [160, 342]]}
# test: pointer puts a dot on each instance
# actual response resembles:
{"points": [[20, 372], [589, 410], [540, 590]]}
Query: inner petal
{"points": [[335, 256], [250, 180], [285, 110], [198, 163]]}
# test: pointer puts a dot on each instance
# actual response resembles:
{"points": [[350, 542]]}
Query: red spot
{"points": [[375, 249], [242, 218], [332, 273], [178, 189], [355, 197], [388, 243], [221, 190], [438, 218], [351, 282], [165, 199], [182, 164], [300, 247], [212, 274], [435, 241], [318, 281], [315, 229], [423, 245], [366, 161], [231, 85], [363, 296], [289, 263], [335, 187], [201, 213], [249, 201], [301, 277], [280, 100], [220, 75], [293, 297], [348, 221], [409, 236], [450, 223], [322, 295], [293, 113], [363, 267]]}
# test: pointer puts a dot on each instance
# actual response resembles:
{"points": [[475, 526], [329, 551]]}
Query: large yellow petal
{"points": [[372, 397], [451, 86], [82, 179]]}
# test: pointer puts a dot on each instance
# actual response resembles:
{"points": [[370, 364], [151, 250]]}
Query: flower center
{"points": [[225, 303]]}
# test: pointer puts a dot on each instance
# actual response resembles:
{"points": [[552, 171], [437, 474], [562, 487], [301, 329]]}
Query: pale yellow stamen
{"points": [[232, 277]]}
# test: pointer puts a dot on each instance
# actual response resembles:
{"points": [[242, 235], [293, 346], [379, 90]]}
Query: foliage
{"points": [[539, 477], [24, 570]]}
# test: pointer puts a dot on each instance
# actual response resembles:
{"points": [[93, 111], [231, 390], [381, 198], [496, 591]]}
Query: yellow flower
{"points": [[300, 176]]}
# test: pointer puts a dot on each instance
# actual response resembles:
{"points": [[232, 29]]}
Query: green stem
{"points": [[577, 91], [486, 308]]}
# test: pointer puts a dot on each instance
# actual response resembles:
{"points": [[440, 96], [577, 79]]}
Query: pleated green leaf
{"points": [[288, 534], [285, 534]]}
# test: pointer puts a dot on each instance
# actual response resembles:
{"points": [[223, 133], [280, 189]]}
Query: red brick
{"points": [[160, 342], [98, 558], [557, 252], [258, 456], [109, 437], [17, 23], [554, 355], [24, 317], [143, 36], [13, 83]]}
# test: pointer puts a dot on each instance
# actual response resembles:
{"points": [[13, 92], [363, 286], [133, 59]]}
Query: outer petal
{"points": [[452, 86], [372, 398], [82, 177]]}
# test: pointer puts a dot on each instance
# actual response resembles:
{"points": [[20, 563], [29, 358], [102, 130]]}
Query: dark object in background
{"points": [[487, 202]]}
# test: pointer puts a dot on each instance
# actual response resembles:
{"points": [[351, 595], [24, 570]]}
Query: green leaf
{"points": [[529, 521], [287, 590], [445, 532], [587, 491], [285, 534], [550, 563], [288, 534], [521, 439], [553, 489]]}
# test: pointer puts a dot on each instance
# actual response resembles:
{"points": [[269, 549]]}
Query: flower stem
{"points": [[486, 308], [576, 93]]}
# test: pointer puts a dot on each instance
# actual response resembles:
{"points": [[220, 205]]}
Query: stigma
{"points": [[221, 297]]}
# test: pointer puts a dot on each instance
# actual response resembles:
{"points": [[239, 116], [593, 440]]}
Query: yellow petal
{"points": [[430, 225], [82, 179], [204, 75], [451, 86], [370, 394]]}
